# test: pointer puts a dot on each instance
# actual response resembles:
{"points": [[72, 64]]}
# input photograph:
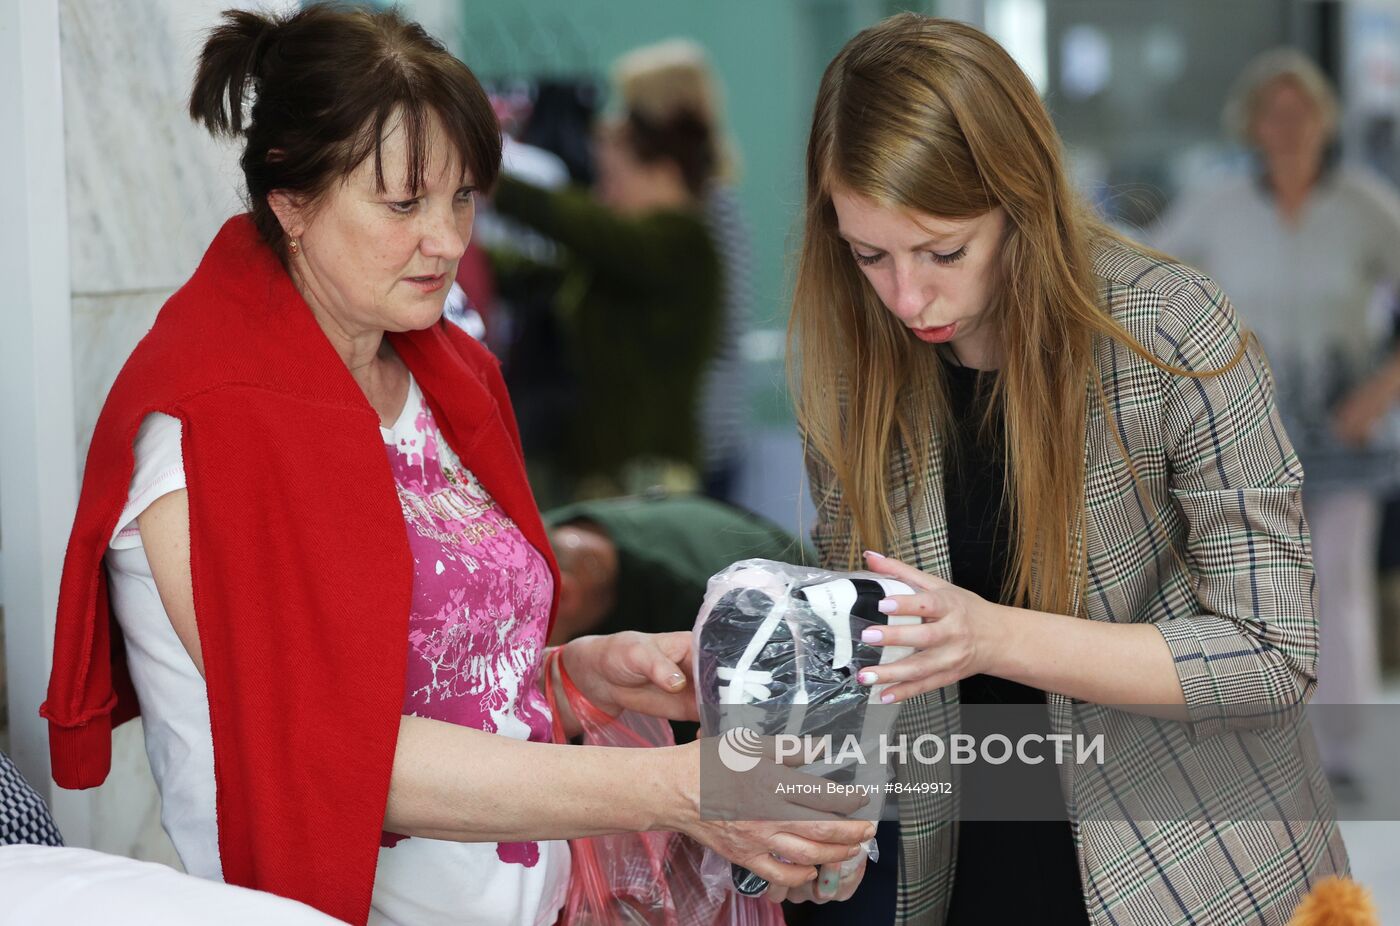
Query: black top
{"points": [[1007, 871]]}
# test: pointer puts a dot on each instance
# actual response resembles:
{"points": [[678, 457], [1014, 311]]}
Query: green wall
{"points": [[769, 55]]}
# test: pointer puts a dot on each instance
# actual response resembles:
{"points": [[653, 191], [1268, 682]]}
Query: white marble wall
{"points": [[4, 692], [147, 190]]}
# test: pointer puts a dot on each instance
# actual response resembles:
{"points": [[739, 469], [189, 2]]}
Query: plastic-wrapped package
{"points": [[778, 650]]}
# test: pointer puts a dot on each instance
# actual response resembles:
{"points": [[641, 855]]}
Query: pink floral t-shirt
{"points": [[481, 592], [477, 625]]}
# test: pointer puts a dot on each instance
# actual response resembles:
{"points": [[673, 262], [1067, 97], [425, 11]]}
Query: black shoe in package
{"points": [[778, 650]]}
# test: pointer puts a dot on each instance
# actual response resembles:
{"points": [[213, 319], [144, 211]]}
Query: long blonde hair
{"points": [[932, 116]]}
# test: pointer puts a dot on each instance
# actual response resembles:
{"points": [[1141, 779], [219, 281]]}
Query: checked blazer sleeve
{"points": [[1236, 482]]}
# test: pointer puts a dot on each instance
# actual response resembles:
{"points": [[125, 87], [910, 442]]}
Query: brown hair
{"points": [[683, 138], [326, 82], [660, 80], [932, 116]]}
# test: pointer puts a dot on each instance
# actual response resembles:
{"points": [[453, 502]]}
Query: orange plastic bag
{"points": [[643, 879]]}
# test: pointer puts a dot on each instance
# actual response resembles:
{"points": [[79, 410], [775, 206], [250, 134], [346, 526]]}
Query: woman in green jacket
{"points": [[640, 302]]}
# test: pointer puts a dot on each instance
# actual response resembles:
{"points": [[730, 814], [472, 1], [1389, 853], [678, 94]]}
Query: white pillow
{"points": [[42, 885]]}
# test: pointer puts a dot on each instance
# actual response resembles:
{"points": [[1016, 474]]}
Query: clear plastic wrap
{"points": [[642, 879], [778, 650]]}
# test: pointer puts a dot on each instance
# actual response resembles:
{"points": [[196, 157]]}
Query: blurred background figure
{"points": [[1304, 244], [642, 563], [638, 292], [660, 81]]}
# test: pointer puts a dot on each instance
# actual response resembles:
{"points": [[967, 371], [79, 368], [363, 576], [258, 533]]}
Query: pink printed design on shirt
{"points": [[481, 597]]}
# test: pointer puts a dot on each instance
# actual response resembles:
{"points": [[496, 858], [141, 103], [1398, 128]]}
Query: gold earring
{"points": [[294, 246]]}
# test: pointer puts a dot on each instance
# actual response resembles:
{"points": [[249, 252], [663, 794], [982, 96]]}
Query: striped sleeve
{"points": [[1237, 483]]}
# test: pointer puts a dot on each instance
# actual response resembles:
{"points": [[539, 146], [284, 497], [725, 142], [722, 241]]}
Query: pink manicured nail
{"points": [[886, 606], [866, 678], [886, 698], [872, 635], [872, 553]]}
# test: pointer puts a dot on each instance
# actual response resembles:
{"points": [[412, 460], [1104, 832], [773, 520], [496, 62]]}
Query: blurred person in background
{"points": [[640, 296], [659, 81], [643, 562], [1304, 246]]}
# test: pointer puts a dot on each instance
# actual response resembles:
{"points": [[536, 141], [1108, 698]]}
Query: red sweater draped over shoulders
{"points": [[300, 562]]}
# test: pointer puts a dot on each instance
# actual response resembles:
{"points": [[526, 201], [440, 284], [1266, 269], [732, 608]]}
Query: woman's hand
{"points": [[786, 853], [644, 672], [793, 856], [960, 634], [829, 885], [1356, 418]]}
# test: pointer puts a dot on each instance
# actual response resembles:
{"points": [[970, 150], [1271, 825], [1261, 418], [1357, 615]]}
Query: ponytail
{"points": [[231, 60], [311, 92]]}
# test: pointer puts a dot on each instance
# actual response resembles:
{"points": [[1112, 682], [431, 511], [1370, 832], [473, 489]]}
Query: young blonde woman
{"points": [[1070, 448]]}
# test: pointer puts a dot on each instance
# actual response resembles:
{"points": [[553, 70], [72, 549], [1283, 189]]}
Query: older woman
{"points": [[305, 509], [1302, 245]]}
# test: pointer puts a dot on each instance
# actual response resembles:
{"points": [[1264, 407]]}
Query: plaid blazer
{"points": [[1225, 574]]}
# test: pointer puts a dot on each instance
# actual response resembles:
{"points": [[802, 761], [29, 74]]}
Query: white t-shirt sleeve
{"points": [[159, 470]]}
